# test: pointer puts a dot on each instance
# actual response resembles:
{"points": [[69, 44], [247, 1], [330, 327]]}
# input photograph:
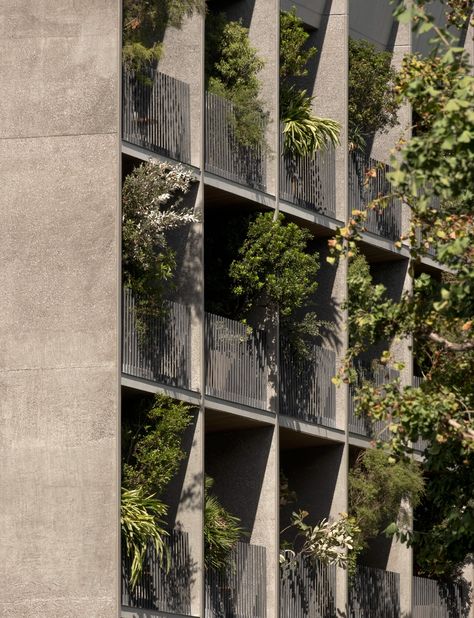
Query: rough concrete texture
{"points": [[59, 330]]}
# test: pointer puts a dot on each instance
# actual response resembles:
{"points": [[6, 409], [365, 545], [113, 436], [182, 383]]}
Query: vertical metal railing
{"points": [[238, 591], [163, 585], [432, 599], [157, 348], [225, 156], [306, 388], [307, 589], [361, 424], [310, 182], [367, 181], [236, 362], [374, 593], [156, 113]]}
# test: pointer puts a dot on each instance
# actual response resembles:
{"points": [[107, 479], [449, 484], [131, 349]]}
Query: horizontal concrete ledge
{"points": [[385, 244], [147, 386], [212, 180], [311, 429], [132, 150], [133, 612], [239, 409], [309, 215], [359, 441]]}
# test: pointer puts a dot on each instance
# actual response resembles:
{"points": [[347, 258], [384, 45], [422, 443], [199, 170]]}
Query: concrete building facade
{"points": [[71, 359]]}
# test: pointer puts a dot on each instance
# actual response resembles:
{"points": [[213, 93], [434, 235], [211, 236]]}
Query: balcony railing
{"points": [[307, 589], [306, 389], [156, 113], [225, 156], [363, 425], [310, 182], [374, 592], [367, 181], [432, 599], [157, 348], [162, 586], [236, 362], [239, 591]]}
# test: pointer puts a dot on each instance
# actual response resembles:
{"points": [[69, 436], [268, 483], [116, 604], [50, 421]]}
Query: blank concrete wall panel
{"points": [[371, 20]]}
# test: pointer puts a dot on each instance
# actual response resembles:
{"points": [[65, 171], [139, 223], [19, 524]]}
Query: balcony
{"points": [[157, 348], [307, 589], [374, 592], [236, 362], [225, 156], [240, 589], [362, 425], [432, 598], [161, 587], [306, 389], [156, 114], [367, 181], [310, 182]]}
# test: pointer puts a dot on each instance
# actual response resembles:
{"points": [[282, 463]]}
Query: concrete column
{"points": [[59, 308]]}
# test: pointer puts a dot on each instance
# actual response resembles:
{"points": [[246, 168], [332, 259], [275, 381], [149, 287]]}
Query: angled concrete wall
{"points": [[59, 308]]}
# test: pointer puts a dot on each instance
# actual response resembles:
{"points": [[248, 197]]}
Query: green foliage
{"points": [[151, 444], [232, 66], [274, 266], [141, 520], [377, 485], [222, 530], [372, 98], [152, 204], [294, 53], [304, 133], [144, 24]]}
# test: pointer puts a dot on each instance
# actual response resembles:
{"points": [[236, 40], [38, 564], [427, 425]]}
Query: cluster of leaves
{"points": [[222, 530], [378, 484], [304, 133], [329, 542], [232, 67], [151, 455], [152, 204], [144, 23], [437, 162], [373, 101]]}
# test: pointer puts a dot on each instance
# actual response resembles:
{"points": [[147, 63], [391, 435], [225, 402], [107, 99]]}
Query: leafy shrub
{"points": [[232, 65], [372, 98]]}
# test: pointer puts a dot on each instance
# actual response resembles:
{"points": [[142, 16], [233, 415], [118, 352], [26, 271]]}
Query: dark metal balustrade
{"points": [[310, 182], [157, 348], [306, 389], [363, 425], [307, 589], [236, 362], [367, 181], [432, 599], [238, 591], [225, 156], [156, 113], [374, 593], [161, 586]]}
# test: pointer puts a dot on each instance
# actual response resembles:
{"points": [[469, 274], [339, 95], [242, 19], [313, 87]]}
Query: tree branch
{"points": [[451, 345]]}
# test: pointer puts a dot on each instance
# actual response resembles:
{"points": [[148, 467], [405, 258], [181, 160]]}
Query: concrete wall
{"points": [[59, 324]]}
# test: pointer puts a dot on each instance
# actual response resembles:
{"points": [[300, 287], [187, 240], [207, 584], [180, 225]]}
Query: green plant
{"points": [[144, 23], [151, 443], [377, 486], [141, 520], [373, 100], [232, 66], [152, 205], [304, 133], [222, 530]]}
